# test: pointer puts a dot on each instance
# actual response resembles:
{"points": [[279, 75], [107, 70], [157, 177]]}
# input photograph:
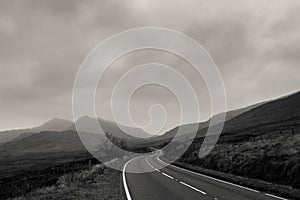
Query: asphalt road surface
{"points": [[173, 183]]}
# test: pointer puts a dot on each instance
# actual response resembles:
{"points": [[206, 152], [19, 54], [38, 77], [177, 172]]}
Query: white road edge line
{"points": [[124, 180], [183, 183], [167, 175], [210, 177], [149, 163], [271, 195]]}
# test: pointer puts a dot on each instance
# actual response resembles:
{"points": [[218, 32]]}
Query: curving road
{"points": [[173, 183]]}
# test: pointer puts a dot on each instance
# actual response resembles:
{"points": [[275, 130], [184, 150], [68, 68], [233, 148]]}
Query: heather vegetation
{"points": [[270, 165], [28, 181], [275, 160], [260, 144], [96, 183]]}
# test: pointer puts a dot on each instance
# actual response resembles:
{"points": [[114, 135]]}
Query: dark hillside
{"points": [[262, 143], [287, 108]]}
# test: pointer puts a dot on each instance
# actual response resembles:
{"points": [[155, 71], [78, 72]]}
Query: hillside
{"points": [[43, 150], [124, 132], [58, 125], [261, 143], [270, 119], [55, 124], [6, 136], [34, 151], [203, 125], [46, 141], [285, 108]]}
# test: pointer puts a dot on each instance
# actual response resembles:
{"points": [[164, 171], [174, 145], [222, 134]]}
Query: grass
{"points": [[98, 183], [15, 164], [28, 181], [270, 165], [280, 190]]}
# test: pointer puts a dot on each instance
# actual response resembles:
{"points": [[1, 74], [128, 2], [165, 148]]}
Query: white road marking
{"points": [[210, 177], [271, 195], [167, 175], [149, 163], [162, 161], [124, 180], [183, 183]]}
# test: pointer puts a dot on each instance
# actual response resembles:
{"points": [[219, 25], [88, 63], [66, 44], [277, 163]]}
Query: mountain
{"points": [[234, 113], [57, 130], [6, 136], [67, 140], [55, 124], [279, 114], [203, 125], [88, 125], [45, 141], [261, 143], [278, 110], [42, 150], [274, 117], [277, 117]]}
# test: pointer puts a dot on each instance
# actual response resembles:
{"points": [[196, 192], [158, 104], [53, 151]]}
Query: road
{"points": [[173, 183]]}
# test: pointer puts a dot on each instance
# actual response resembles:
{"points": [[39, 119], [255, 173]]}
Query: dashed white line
{"points": [[183, 183], [271, 195], [211, 177], [167, 175], [196, 189]]}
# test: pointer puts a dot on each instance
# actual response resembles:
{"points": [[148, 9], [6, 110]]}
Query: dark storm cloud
{"points": [[42, 44]]}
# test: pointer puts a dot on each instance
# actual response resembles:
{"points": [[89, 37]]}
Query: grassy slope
{"points": [[273, 163], [285, 108], [276, 160], [39, 151], [261, 144], [100, 183], [263, 186]]}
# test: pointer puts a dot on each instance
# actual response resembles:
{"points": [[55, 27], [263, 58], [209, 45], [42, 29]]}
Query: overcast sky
{"points": [[255, 44]]}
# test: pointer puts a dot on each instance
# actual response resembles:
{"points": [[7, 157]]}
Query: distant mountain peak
{"points": [[55, 124], [57, 120], [87, 124]]}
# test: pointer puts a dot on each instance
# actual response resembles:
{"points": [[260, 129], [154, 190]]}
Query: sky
{"points": [[255, 45]]}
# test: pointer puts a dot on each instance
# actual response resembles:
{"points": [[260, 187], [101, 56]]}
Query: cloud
{"points": [[254, 44]]}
